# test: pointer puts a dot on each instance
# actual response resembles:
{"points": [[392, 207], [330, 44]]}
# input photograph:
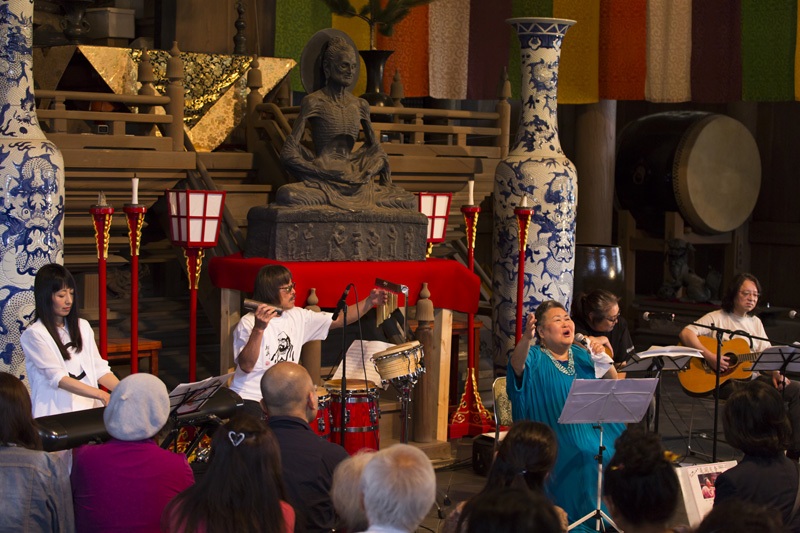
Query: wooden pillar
{"points": [[503, 109], [424, 419], [176, 98], [595, 143], [397, 91], [147, 78], [230, 314], [311, 353], [254, 83]]}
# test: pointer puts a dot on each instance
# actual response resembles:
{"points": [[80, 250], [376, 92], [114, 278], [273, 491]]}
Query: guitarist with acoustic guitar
{"points": [[738, 352]]}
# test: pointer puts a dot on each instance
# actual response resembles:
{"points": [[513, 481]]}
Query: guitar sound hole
{"points": [[733, 359]]}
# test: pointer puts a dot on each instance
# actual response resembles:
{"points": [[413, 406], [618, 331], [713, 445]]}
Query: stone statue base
{"points": [[330, 234]]}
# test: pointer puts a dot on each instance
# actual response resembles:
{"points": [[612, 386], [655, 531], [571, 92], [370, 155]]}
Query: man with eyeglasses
{"points": [[277, 330], [738, 303]]}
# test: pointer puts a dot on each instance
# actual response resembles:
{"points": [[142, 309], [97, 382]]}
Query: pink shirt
{"points": [[124, 486]]}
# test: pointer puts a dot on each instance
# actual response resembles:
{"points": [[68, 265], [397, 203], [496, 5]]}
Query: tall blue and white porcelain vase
{"points": [[537, 169], [31, 185]]}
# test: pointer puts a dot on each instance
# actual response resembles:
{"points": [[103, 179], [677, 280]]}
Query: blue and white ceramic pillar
{"points": [[535, 168], [31, 185]]}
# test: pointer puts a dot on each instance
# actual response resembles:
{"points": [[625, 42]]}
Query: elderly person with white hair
{"points": [[399, 488], [346, 491]]}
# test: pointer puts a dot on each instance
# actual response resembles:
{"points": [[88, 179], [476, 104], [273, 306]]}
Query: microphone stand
{"points": [[343, 412]]}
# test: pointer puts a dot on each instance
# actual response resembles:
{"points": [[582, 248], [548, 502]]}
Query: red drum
{"points": [[361, 414], [322, 425]]}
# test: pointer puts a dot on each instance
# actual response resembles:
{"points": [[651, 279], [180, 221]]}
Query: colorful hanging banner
{"points": [[769, 31], [295, 22], [669, 51], [622, 62], [577, 72]]}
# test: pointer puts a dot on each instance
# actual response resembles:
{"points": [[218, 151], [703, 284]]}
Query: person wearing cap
{"points": [[127, 481]]}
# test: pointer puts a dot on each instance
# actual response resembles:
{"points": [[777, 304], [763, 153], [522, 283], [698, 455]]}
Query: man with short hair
{"points": [[277, 330], [307, 460], [399, 488]]}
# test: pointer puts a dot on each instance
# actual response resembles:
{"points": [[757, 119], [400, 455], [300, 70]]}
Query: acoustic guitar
{"points": [[698, 377]]}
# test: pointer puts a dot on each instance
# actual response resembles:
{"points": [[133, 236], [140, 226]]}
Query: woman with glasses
{"points": [[736, 315], [597, 315], [277, 330]]}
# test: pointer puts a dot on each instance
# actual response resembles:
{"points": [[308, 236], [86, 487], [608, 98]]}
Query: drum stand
{"points": [[403, 388]]}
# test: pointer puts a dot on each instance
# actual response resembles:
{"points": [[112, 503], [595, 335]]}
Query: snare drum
{"points": [[399, 363], [322, 425], [361, 414]]}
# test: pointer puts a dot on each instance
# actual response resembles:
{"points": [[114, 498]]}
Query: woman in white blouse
{"points": [[61, 357]]}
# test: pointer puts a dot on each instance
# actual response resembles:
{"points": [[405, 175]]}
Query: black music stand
{"points": [[655, 360], [598, 401], [187, 399], [781, 358]]}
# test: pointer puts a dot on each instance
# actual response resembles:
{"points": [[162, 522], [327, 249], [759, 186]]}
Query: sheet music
{"points": [[194, 395], [356, 365], [670, 351]]}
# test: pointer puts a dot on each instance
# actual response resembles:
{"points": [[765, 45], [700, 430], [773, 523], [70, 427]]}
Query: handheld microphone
{"points": [[583, 341], [342, 302], [252, 305], [648, 316]]}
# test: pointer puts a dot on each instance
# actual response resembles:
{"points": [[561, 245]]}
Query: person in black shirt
{"points": [[596, 314], [308, 461]]}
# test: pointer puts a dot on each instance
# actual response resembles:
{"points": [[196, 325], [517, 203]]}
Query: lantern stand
{"points": [[135, 213], [101, 216], [435, 206], [195, 217]]}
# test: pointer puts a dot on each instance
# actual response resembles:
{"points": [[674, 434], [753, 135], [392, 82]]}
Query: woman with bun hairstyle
{"points": [[61, 358], [597, 315], [640, 486]]}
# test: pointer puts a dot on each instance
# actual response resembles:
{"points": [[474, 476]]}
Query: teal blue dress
{"points": [[540, 395]]}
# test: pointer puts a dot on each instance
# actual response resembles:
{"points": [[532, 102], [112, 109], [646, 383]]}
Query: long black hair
{"points": [[50, 279], [755, 420], [243, 487], [733, 289]]}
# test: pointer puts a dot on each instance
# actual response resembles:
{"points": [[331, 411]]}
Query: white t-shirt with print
{"points": [[729, 321], [282, 341]]}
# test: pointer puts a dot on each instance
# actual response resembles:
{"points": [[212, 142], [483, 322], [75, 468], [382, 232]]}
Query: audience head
{"points": [[269, 281], [739, 516], [598, 308], [525, 457], [346, 490], [51, 279], [640, 484], [755, 420], [399, 487], [138, 408], [734, 287], [243, 486], [16, 426], [510, 510], [288, 390]]}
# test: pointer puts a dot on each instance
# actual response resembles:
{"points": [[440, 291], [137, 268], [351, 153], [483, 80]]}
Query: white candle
{"points": [[135, 193], [471, 188], [524, 201]]}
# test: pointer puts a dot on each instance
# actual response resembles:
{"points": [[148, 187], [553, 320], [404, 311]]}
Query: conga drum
{"points": [[399, 363], [703, 165], [361, 414]]}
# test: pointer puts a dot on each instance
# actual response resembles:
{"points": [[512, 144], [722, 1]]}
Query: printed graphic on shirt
{"points": [[285, 351]]}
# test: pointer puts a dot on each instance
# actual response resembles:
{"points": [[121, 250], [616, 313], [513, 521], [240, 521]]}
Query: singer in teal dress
{"points": [[539, 380]]}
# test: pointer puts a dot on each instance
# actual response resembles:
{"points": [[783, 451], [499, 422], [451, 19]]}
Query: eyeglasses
{"points": [[288, 288], [748, 294], [614, 318]]}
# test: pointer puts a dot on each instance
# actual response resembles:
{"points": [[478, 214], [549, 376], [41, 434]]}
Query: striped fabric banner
{"points": [[669, 50], [489, 53], [296, 22], [577, 72], [448, 44], [410, 57], [623, 49], [769, 31], [716, 51], [710, 51]]}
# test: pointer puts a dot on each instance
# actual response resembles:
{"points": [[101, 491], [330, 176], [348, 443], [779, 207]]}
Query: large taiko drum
{"points": [[704, 165], [361, 414]]}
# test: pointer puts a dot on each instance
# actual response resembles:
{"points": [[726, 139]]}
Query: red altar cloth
{"points": [[451, 284]]}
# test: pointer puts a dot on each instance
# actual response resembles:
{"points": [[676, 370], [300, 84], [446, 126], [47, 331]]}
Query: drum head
{"points": [[352, 385], [322, 392], [717, 174], [400, 348]]}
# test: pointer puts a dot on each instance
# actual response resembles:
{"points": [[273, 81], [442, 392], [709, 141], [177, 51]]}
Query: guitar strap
{"points": [[797, 497]]}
